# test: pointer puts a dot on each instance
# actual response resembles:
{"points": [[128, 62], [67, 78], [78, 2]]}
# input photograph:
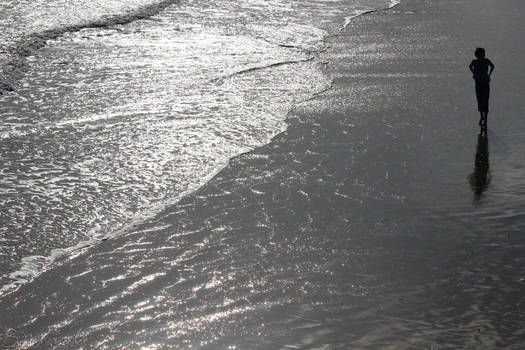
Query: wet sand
{"points": [[363, 226]]}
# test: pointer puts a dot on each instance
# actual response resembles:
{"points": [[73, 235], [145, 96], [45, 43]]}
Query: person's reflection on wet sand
{"points": [[480, 178]]}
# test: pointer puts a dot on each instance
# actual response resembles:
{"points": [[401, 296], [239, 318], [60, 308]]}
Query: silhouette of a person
{"points": [[481, 69], [480, 178]]}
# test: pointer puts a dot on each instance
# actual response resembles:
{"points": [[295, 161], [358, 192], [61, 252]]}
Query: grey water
{"points": [[115, 109]]}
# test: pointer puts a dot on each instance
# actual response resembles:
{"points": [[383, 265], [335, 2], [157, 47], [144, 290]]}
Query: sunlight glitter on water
{"points": [[110, 124]]}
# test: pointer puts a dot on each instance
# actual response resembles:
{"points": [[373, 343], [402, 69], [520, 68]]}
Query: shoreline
{"points": [[362, 202], [31, 266]]}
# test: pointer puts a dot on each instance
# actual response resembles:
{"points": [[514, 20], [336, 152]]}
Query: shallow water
{"points": [[356, 228], [131, 105]]}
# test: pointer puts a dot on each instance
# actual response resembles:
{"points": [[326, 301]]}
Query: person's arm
{"points": [[491, 65], [471, 66]]}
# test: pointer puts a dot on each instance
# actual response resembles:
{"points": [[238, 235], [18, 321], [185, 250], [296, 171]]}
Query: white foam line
{"points": [[348, 19], [94, 118]]}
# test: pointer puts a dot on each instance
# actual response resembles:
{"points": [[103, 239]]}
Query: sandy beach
{"points": [[361, 226]]}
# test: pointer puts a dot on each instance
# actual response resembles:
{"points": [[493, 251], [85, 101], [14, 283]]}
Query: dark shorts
{"points": [[482, 94]]}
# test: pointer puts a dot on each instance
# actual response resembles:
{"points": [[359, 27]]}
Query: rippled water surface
{"points": [[379, 219], [130, 105]]}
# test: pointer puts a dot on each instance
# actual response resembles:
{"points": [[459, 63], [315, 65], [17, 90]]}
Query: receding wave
{"points": [[116, 117]]}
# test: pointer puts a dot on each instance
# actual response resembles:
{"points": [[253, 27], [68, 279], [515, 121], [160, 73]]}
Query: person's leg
{"points": [[479, 98], [485, 92]]}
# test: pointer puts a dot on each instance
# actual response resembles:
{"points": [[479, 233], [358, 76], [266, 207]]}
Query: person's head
{"points": [[479, 52]]}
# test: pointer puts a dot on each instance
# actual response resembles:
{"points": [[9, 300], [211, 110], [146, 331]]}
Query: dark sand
{"points": [[357, 228]]}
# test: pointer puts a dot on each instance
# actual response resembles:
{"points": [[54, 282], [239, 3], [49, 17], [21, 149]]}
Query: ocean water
{"points": [[112, 110]]}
